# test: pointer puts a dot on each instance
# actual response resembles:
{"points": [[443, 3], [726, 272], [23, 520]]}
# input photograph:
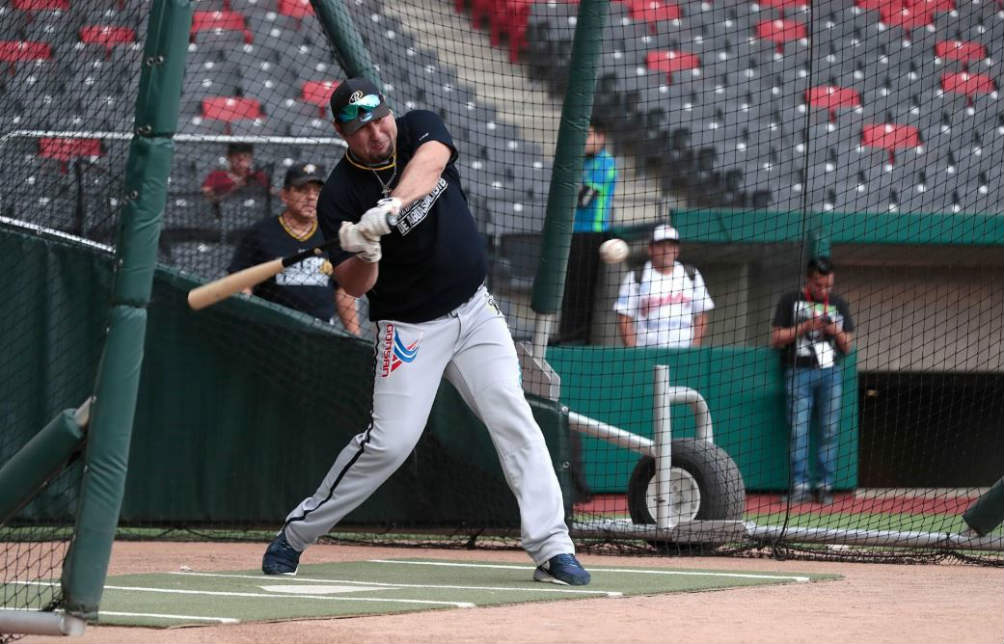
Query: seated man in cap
{"points": [[239, 173], [663, 303], [306, 286]]}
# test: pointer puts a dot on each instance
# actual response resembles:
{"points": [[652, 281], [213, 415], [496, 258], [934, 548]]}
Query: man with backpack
{"points": [[665, 302]]}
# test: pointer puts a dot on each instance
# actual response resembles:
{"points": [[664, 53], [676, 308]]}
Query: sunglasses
{"points": [[366, 104]]}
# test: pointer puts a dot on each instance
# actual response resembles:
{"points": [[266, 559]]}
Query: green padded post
{"points": [[987, 512], [819, 244], [35, 463], [163, 71], [549, 282], [346, 42], [117, 382]]}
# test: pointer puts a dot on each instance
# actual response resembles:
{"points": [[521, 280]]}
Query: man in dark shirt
{"points": [[813, 329], [304, 286], [408, 240], [239, 173]]}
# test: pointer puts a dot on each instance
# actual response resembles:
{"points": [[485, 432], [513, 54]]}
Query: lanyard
{"points": [[826, 302]]}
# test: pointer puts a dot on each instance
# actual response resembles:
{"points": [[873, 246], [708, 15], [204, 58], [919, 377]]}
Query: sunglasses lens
{"points": [[367, 103]]}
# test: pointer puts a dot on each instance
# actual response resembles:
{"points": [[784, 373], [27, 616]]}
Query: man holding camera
{"points": [[813, 330]]}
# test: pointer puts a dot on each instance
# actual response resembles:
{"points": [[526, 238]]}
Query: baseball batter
{"points": [[434, 317]]}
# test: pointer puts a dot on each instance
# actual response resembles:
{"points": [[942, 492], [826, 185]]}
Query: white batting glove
{"points": [[353, 241], [373, 223]]}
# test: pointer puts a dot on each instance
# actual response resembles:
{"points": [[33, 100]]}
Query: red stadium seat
{"points": [[65, 150], [230, 108], [16, 50], [671, 62], [891, 137], [219, 21], [652, 11], [968, 84], [832, 98], [509, 18], [783, 5], [318, 93], [906, 17], [42, 5], [780, 32], [296, 8], [960, 50], [107, 36]]}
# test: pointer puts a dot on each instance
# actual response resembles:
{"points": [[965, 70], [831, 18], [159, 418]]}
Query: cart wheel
{"points": [[705, 483]]}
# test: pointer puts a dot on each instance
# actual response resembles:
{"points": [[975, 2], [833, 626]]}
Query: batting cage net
{"points": [[763, 314]]}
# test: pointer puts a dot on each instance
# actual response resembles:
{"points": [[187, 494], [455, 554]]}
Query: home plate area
{"points": [[380, 586]]}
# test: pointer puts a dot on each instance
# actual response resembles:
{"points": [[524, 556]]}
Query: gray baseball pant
{"points": [[472, 348]]}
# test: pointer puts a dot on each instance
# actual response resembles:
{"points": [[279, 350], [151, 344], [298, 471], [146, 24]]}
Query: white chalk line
{"points": [[222, 620], [390, 585], [222, 593]]}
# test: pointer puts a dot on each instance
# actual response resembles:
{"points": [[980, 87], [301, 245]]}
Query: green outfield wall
{"points": [[744, 389], [227, 428]]}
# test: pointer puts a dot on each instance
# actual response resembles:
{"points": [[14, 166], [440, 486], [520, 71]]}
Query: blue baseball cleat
{"points": [[562, 569], [280, 557]]}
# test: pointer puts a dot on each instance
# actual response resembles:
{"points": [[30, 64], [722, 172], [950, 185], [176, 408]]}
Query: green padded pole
{"points": [[987, 512], [549, 281], [40, 458], [819, 244], [350, 51], [117, 381]]}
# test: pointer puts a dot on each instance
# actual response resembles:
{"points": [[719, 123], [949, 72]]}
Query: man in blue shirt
{"points": [[599, 174], [589, 230]]}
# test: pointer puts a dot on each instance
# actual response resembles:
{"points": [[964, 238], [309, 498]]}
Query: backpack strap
{"points": [[689, 269]]}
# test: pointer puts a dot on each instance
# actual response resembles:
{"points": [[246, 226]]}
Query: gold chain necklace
{"points": [[385, 187]]}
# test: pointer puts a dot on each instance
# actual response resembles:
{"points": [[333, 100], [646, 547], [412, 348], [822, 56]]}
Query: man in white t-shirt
{"points": [[666, 302]]}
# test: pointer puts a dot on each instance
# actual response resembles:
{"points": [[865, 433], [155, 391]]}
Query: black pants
{"points": [[580, 284]]}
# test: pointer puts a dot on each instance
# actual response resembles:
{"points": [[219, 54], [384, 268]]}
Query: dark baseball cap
{"points": [[303, 173], [356, 102]]}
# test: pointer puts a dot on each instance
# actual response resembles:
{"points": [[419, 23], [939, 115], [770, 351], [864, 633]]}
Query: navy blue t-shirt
{"points": [[434, 260], [301, 286]]}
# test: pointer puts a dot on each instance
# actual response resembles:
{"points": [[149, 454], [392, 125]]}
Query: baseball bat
{"points": [[212, 292]]}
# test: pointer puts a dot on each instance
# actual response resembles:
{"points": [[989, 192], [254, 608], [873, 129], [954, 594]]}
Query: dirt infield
{"points": [[872, 603]]}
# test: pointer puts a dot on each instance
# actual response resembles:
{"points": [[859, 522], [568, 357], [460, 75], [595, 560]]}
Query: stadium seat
{"points": [[107, 36], [298, 9], [312, 128], [217, 80], [230, 108], [318, 93], [17, 53], [672, 62], [65, 150], [42, 5], [653, 12], [781, 32], [263, 23], [220, 27], [206, 259]]}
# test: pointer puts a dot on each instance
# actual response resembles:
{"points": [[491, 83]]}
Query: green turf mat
{"points": [[383, 586]]}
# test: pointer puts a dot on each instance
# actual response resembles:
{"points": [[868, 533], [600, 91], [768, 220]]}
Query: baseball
{"points": [[614, 251]]}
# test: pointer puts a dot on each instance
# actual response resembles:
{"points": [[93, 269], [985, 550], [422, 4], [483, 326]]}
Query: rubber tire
{"points": [[719, 482]]}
